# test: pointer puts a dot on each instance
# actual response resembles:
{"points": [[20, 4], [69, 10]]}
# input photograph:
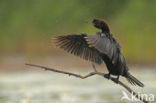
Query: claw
{"points": [[116, 80], [107, 76]]}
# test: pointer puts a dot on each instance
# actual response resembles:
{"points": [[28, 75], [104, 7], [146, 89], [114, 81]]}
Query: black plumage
{"points": [[97, 48]]}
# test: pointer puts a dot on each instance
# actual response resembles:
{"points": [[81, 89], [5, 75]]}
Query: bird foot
{"points": [[115, 80], [107, 76]]}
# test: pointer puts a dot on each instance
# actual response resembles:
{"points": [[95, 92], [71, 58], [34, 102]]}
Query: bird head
{"points": [[101, 24]]}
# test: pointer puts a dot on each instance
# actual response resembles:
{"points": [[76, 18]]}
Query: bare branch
{"points": [[89, 75]]}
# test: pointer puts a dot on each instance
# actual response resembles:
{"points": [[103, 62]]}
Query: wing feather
{"points": [[77, 45], [104, 44]]}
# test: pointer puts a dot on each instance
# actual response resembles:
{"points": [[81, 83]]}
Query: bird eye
{"points": [[94, 21]]}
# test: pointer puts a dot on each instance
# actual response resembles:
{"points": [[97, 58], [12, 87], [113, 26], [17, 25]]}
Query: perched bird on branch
{"points": [[98, 48]]}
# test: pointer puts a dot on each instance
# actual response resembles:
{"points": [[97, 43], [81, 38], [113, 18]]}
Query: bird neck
{"points": [[105, 32], [105, 28]]}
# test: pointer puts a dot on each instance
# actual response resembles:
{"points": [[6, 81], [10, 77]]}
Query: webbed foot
{"points": [[107, 76], [116, 80]]}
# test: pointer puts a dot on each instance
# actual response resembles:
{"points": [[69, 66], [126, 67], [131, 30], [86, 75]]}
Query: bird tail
{"points": [[133, 80]]}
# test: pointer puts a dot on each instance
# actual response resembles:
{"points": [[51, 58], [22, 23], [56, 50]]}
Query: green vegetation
{"points": [[26, 26]]}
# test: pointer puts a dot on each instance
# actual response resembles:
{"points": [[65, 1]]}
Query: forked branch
{"points": [[89, 75]]}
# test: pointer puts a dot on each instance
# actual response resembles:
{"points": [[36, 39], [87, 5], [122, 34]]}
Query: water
{"points": [[48, 87]]}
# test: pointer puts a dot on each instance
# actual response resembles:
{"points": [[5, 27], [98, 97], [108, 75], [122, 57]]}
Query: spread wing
{"points": [[105, 44], [77, 45]]}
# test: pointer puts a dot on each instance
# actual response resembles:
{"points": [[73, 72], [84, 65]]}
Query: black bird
{"points": [[97, 48]]}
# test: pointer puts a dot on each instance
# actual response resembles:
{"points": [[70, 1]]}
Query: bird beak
{"points": [[89, 22]]}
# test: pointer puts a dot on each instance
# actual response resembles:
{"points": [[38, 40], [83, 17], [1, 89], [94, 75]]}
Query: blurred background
{"points": [[26, 30]]}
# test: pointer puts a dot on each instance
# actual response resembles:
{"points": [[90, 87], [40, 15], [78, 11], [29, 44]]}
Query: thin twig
{"points": [[91, 74]]}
